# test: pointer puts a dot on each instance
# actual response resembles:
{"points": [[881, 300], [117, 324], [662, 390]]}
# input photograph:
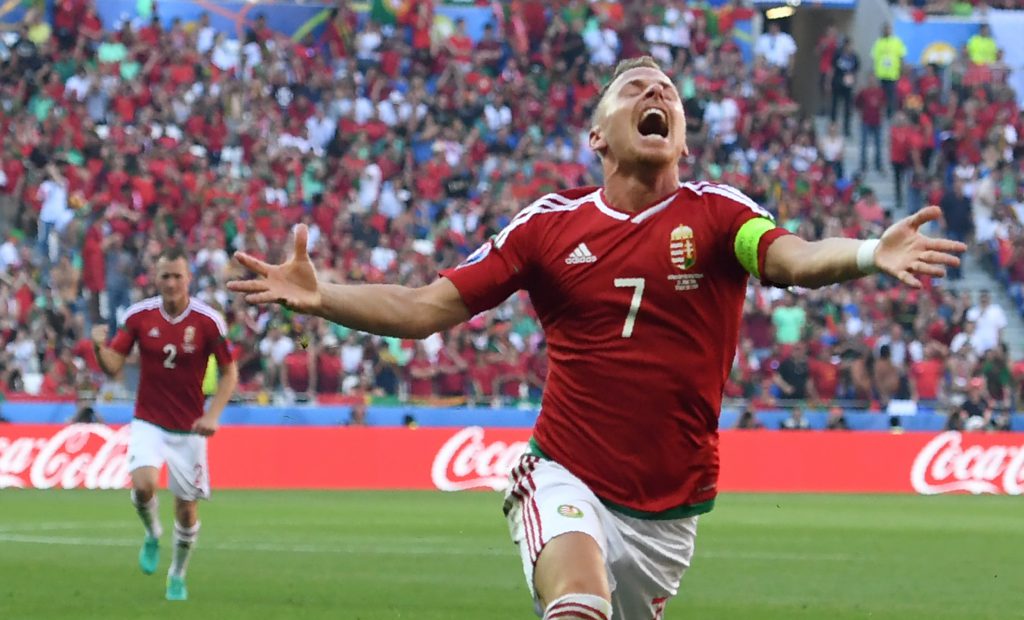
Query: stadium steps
{"points": [[975, 277]]}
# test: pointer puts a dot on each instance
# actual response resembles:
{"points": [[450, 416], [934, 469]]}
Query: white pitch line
{"points": [[62, 525], [410, 549]]}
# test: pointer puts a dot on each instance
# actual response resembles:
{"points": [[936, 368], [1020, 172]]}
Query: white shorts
{"points": [[185, 454], [645, 559]]}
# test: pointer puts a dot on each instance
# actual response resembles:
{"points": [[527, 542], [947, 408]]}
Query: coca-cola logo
{"points": [[946, 466], [467, 461], [93, 456]]}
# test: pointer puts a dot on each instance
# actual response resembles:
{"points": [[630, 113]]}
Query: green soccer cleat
{"points": [[149, 555], [176, 590]]}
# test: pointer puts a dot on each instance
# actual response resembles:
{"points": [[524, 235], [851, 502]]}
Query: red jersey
{"points": [[173, 353], [641, 313]]}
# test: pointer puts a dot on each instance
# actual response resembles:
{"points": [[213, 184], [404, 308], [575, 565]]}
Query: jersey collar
{"points": [[177, 319], [634, 218]]}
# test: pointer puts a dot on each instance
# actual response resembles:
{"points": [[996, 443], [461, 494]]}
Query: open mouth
{"points": [[653, 122]]}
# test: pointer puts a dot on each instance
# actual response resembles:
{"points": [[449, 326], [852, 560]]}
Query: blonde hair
{"points": [[624, 65]]}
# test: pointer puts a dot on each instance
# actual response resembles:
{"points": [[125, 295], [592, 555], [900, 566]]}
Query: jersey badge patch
{"points": [[682, 249], [682, 253], [189, 340], [478, 255], [570, 511], [154, 333]]}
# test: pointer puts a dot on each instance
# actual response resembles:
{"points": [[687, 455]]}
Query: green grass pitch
{"points": [[383, 555]]}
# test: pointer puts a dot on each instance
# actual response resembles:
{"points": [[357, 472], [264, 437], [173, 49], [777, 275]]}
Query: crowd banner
{"points": [[94, 456], [937, 40]]}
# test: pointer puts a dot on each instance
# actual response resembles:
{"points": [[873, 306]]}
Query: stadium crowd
{"points": [[404, 150]]}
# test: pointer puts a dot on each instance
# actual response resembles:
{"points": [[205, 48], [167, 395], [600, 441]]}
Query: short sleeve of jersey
{"points": [[496, 269], [751, 231], [220, 348], [126, 335]]}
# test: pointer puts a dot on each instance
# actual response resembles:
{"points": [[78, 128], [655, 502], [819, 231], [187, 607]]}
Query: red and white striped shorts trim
{"points": [[523, 490]]}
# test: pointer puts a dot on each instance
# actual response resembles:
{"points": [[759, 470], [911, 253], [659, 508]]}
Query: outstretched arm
{"points": [[902, 252], [383, 309]]}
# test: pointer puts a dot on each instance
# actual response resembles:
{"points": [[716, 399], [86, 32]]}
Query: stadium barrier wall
{"points": [[382, 415], [455, 459]]}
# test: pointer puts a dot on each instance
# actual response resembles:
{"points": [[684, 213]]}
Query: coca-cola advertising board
{"points": [[245, 457]]}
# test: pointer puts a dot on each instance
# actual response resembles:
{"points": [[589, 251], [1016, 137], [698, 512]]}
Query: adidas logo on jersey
{"points": [[154, 333], [581, 255]]}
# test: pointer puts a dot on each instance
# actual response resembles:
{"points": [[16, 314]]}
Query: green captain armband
{"points": [[748, 240]]}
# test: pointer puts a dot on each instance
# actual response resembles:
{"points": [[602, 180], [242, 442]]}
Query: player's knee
{"points": [[186, 513], [142, 494], [571, 564], [581, 606]]}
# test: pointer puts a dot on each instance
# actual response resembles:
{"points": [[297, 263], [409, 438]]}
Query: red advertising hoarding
{"points": [[453, 459]]}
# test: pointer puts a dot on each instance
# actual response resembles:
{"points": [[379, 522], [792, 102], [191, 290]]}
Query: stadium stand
{"points": [[403, 150]]}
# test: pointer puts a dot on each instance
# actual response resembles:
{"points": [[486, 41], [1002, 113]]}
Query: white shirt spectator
{"points": [[55, 202], [383, 258], [77, 86], [777, 49], [603, 45], [352, 358], [989, 322], [721, 118], [391, 203], [205, 39], [277, 349], [216, 258], [497, 116], [369, 186], [225, 55], [320, 130], [364, 110], [9, 256], [367, 43]]}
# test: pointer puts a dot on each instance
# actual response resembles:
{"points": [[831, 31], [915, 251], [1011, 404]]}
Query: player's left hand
{"points": [[905, 253], [205, 426]]}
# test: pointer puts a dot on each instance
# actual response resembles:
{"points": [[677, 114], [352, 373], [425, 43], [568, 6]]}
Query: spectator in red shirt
{"points": [[421, 372], [927, 376], [871, 101]]}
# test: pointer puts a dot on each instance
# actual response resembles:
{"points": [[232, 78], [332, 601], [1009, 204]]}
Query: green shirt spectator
{"points": [[981, 48], [888, 53], [111, 51], [789, 323]]}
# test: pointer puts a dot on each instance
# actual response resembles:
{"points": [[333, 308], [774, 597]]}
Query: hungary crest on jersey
{"points": [[682, 249]]}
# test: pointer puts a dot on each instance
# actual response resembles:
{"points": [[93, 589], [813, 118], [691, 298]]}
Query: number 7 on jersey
{"points": [[637, 284]]}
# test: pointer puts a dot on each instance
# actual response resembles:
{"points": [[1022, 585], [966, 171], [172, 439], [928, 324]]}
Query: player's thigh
{"points": [[146, 449], [647, 575], [188, 473], [557, 523]]}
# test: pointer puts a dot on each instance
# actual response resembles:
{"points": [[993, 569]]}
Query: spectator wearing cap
{"points": [[976, 412]]}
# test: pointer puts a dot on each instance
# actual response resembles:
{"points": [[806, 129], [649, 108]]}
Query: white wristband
{"points": [[866, 256]]}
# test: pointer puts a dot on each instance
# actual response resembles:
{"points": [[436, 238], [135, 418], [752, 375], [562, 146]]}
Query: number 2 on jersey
{"points": [[172, 352], [637, 284]]}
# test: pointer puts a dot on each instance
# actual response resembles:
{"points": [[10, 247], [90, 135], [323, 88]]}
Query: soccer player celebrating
{"points": [[176, 335], [639, 287]]}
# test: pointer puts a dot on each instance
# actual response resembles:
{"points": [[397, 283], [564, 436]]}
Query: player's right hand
{"points": [[292, 284], [99, 335]]}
